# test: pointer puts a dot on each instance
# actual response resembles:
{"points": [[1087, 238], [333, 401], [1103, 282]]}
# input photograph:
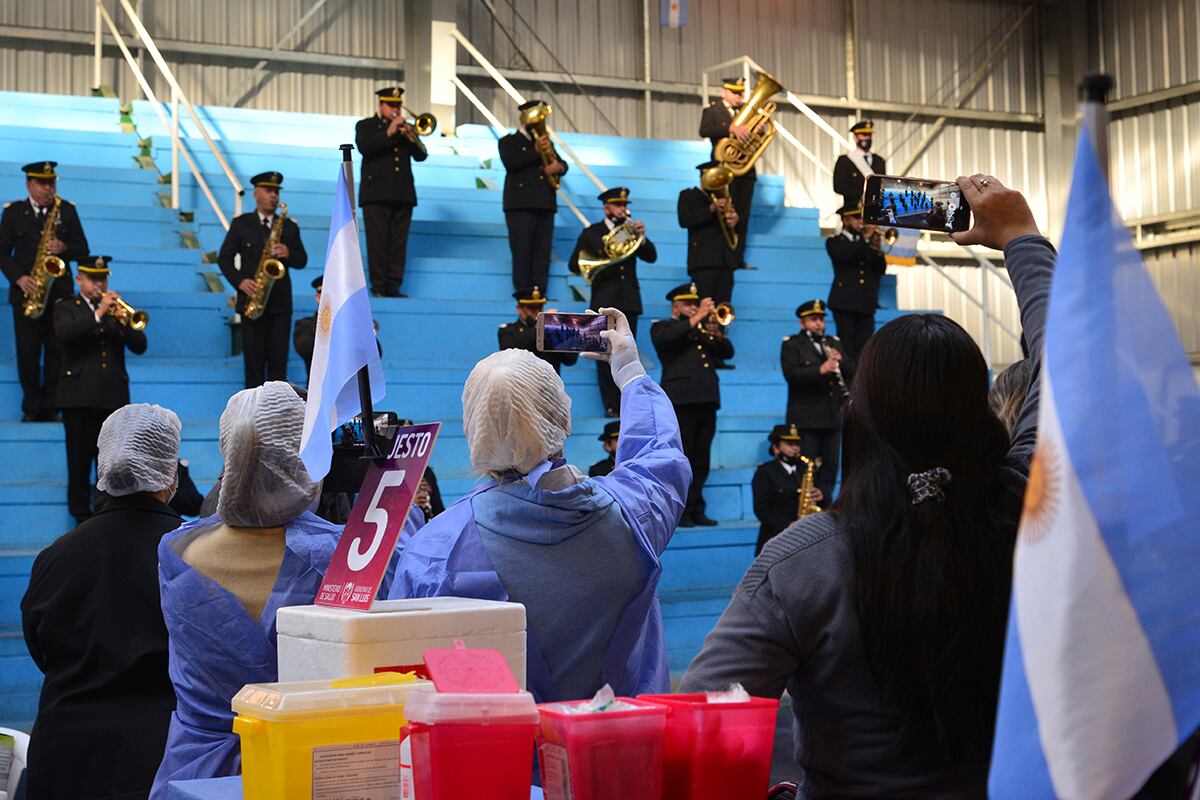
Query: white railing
{"points": [[987, 268], [104, 19], [518, 98]]}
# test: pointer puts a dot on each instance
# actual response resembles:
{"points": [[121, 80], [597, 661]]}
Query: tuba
{"points": [[46, 266], [806, 506], [129, 316], [715, 181], [269, 270], [619, 244], [755, 113], [535, 119]]}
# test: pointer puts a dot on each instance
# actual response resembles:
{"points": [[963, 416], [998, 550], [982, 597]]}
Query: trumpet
{"points": [[883, 241], [723, 314], [423, 124], [128, 316]]}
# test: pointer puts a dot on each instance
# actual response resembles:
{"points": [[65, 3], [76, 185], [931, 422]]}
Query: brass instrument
{"points": [[534, 119], [755, 114], [46, 266], [723, 314], [423, 124], [806, 506], [619, 244], [129, 316], [270, 270], [715, 181]]}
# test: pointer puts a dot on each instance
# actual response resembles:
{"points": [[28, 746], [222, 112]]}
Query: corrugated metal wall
{"points": [[922, 55]]}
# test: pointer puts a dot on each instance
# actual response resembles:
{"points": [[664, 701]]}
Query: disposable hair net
{"points": [[265, 484], [516, 413], [139, 450]]}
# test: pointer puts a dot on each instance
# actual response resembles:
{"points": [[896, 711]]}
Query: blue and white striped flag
{"points": [[345, 341], [674, 13], [1102, 665]]}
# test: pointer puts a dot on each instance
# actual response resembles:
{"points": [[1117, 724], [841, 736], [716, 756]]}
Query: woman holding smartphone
{"points": [[884, 618]]}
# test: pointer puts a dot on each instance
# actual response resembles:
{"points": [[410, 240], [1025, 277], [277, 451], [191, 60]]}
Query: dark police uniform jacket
{"points": [[815, 401], [706, 243], [93, 624], [776, 497], [603, 467], [848, 181], [93, 373], [687, 355], [523, 336], [714, 126], [615, 286], [525, 187], [20, 233], [304, 339], [386, 175], [247, 236], [857, 269]]}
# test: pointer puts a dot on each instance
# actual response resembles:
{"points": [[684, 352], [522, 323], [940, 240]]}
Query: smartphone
{"points": [[915, 203], [572, 333]]}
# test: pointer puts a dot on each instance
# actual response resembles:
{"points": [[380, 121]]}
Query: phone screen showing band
{"points": [[915, 203]]}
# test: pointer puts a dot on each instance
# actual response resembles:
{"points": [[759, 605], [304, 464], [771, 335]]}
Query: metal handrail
{"points": [[512, 92], [177, 96]]}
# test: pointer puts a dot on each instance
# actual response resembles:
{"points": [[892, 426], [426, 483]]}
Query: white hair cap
{"points": [[138, 450], [265, 484], [516, 413]]}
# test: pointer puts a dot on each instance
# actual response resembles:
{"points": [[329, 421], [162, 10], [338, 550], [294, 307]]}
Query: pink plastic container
{"points": [[608, 755], [716, 751], [471, 745]]}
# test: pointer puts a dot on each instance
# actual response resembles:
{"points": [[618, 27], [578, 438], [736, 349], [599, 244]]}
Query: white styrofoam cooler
{"points": [[322, 643]]}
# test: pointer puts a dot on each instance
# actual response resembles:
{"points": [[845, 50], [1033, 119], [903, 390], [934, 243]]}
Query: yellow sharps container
{"points": [[321, 738]]}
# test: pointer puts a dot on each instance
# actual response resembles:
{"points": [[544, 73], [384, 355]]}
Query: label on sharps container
{"points": [[556, 772], [365, 771]]}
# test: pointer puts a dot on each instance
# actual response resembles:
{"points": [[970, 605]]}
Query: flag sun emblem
{"points": [[324, 320], [1042, 493]]}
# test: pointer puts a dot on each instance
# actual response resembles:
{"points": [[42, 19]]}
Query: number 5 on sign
{"points": [[376, 520]]}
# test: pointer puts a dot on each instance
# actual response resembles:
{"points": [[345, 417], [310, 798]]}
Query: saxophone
{"points": [[46, 267], [269, 270], [806, 506]]}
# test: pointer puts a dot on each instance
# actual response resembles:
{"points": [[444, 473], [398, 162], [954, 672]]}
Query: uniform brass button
{"points": [[698, 347], [104, 365], [860, 281], [541, 177], [68, 373], [395, 169]]}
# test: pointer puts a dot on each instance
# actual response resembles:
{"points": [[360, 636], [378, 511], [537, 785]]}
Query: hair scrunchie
{"points": [[928, 485]]}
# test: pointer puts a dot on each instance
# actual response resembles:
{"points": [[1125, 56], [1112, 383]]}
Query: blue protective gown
{"points": [[216, 648], [584, 560]]}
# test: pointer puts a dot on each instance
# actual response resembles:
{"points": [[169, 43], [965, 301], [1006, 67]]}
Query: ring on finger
{"points": [[984, 182]]}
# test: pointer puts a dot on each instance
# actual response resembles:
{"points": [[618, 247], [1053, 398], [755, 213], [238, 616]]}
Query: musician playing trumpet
{"points": [[616, 285], [21, 232], [265, 339], [93, 382], [858, 264], [710, 219], [715, 124], [532, 169]]}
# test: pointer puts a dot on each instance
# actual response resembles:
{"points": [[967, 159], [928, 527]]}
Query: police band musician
{"points": [[777, 483], [608, 440], [817, 371], [389, 144], [23, 230], [94, 331], [533, 170], [716, 124], [858, 267], [522, 332], [848, 179], [267, 324], [615, 285], [688, 345]]}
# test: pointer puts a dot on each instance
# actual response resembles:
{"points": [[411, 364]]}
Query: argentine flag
{"points": [[1102, 663], [345, 341]]}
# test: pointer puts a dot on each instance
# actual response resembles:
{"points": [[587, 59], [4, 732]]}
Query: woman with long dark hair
{"points": [[885, 617]]}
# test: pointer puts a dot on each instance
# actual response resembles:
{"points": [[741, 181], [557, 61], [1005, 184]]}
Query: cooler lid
{"points": [[429, 706], [396, 620], [278, 701]]}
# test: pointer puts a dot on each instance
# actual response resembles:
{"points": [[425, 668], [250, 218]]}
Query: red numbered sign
{"points": [[376, 520]]}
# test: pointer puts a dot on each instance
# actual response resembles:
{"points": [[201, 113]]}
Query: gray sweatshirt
{"points": [[792, 624]]}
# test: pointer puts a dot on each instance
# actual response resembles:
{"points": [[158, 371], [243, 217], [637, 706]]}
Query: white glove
{"points": [[622, 354]]}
